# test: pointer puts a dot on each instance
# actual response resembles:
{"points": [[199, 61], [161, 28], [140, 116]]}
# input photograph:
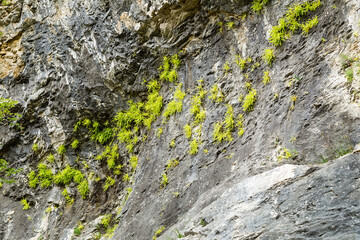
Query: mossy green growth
{"points": [[164, 180], [45, 175], [83, 188], [75, 144], [249, 101], [197, 100], [108, 183], [171, 164], [188, 131], [133, 162], [258, 5], [215, 94], [158, 232], [35, 147], [25, 204], [194, 147], [33, 179], [8, 172], [168, 70], [105, 220], [241, 62], [266, 78], [61, 150], [7, 117], [309, 25], [50, 158], [176, 105], [69, 200], [240, 125], [223, 130], [268, 56], [289, 23]]}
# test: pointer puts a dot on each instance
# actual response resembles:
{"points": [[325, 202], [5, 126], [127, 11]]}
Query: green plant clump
{"points": [[158, 232], [175, 106], [67, 197], [108, 182], [222, 130], [196, 108], [215, 94], [25, 204], [258, 5], [266, 78], [9, 172], [7, 117], [268, 56], [194, 147], [289, 23], [168, 71], [249, 101]]}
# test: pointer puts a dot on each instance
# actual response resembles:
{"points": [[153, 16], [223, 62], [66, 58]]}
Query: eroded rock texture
{"points": [[66, 61]]}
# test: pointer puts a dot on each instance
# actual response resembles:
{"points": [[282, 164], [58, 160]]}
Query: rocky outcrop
{"points": [[66, 61]]}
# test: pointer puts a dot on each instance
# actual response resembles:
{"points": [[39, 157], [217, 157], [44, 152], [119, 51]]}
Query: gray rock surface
{"points": [[70, 60]]}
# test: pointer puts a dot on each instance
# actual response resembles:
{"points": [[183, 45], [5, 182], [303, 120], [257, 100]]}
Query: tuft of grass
{"points": [[158, 232], [266, 78], [61, 150], [188, 131], [25, 204], [75, 144], [268, 56], [194, 147], [215, 94], [249, 101], [258, 5], [164, 180]]}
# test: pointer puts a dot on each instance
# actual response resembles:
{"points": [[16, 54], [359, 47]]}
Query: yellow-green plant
{"points": [[35, 147], [25, 204], [226, 68], [171, 164], [75, 144], [175, 106], [266, 78], [105, 220], [83, 188], [240, 125], [196, 108], [188, 131], [309, 25], [61, 150], [45, 175], [69, 200], [159, 131], [194, 147], [289, 23], [108, 183], [50, 158], [249, 101], [215, 94], [222, 130], [172, 143], [158, 232], [164, 180], [126, 177], [7, 117], [268, 56], [33, 179], [258, 5], [133, 162], [168, 70]]}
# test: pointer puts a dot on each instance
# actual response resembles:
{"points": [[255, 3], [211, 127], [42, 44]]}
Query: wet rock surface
{"points": [[70, 60]]}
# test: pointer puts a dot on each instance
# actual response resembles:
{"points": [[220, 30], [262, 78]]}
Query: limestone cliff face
{"points": [[285, 169]]}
